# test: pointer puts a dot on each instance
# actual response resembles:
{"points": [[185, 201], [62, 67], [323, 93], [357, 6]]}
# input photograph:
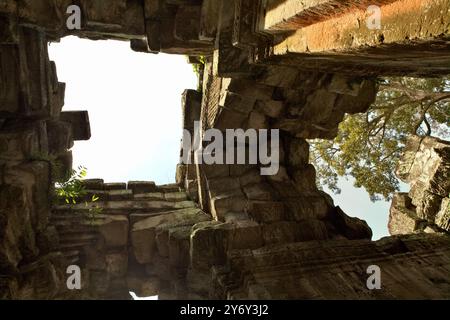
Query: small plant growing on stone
{"points": [[197, 67], [72, 190], [93, 209]]}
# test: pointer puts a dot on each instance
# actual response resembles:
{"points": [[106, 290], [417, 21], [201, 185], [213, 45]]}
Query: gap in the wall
{"points": [[134, 105]]}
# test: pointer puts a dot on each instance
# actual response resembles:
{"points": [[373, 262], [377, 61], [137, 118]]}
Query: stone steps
{"points": [[77, 244], [159, 196], [119, 207], [167, 188], [76, 236]]}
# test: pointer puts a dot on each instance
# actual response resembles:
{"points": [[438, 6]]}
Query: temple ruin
{"points": [[223, 231]]}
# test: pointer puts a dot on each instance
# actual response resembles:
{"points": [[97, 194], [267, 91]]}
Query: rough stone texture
{"points": [[232, 233], [120, 245], [291, 15], [290, 271], [345, 44], [425, 166]]}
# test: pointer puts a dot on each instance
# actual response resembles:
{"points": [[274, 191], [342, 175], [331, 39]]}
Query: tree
{"points": [[369, 145]]}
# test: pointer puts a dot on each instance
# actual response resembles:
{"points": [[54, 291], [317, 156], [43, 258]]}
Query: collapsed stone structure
{"points": [[425, 166], [224, 231]]}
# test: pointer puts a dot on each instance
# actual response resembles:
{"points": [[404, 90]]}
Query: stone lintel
{"points": [[80, 124]]}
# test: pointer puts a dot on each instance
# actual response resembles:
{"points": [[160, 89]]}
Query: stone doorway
{"points": [[134, 105], [135, 119]]}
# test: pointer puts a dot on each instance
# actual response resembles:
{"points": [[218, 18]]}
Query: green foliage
{"points": [[198, 67], [369, 145], [72, 190]]}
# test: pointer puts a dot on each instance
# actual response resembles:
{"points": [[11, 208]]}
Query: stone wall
{"points": [[35, 138], [135, 238], [241, 235], [425, 166]]}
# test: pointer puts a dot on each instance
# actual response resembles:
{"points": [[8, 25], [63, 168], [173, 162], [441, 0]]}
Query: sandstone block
{"points": [[270, 108], [267, 211], [402, 215], [207, 246], [142, 186], [443, 216], [230, 100], [257, 120], [179, 242], [114, 230], [79, 124], [260, 191], [94, 184], [118, 195], [115, 186], [231, 202], [175, 196], [117, 264]]}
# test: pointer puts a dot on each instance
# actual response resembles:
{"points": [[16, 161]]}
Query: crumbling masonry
{"points": [[223, 231]]}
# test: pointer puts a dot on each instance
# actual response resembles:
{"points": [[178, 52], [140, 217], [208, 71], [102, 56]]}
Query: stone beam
{"points": [[282, 15], [345, 44], [79, 121]]}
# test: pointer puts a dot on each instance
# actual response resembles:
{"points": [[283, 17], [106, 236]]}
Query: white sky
{"points": [[134, 104]]}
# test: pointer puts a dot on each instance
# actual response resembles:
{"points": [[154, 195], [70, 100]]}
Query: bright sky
{"points": [[134, 104]]}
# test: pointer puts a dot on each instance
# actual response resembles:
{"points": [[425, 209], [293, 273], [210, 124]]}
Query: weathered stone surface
{"points": [[117, 264], [147, 233], [270, 108], [351, 227], [257, 120], [361, 50], [187, 22], [115, 186], [120, 194], [312, 206], [277, 236], [230, 100], [79, 123], [142, 186], [348, 258], [115, 231], [261, 191], [305, 178], [298, 153], [94, 184], [425, 166], [159, 196], [219, 186], [402, 215], [18, 240], [267, 211], [443, 216], [207, 245], [23, 142], [229, 119], [228, 202]]}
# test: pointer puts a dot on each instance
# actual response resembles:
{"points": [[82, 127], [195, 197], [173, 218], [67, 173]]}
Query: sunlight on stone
{"points": [[135, 297]]}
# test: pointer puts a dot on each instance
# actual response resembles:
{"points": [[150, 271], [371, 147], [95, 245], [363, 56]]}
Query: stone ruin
{"points": [[222, 231]]}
